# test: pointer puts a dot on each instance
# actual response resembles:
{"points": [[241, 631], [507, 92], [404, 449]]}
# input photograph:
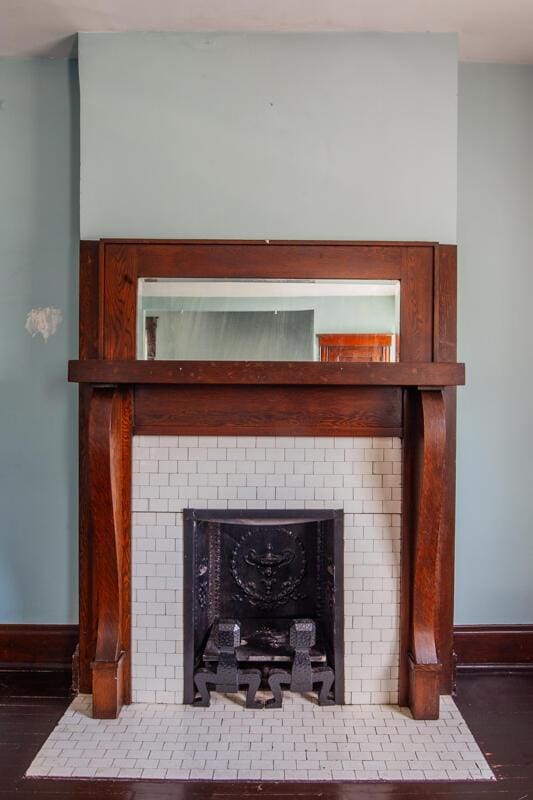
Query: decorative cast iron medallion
{"points": [[268, 566], [202, 582]]}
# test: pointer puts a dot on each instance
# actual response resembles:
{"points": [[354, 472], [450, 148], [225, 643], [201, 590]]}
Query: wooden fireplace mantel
{"points": [[414, 399], [289, 373]]}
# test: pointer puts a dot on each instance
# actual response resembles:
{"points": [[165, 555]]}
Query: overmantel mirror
{"points": [[268, 320], [267, 301]]}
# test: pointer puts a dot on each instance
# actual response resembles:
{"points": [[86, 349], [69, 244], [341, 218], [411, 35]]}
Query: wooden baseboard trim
{"points": [[494, 669], [493, 647], [488, 647], [41, 646]]}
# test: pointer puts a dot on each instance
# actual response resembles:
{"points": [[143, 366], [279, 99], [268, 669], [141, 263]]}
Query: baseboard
{"points": [[38, 646], [493, 648]]}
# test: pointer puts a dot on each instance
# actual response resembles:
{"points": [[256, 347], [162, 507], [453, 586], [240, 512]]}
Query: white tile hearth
{"points": [[300, 742], [360, 475]]}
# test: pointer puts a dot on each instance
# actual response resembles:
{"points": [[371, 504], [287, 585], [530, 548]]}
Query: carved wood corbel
{"points": [[109, 429], [424, 663]]}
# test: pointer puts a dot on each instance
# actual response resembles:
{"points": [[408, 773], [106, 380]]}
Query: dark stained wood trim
{"points": [[493, 644], [445, 350], [110, 492], [266, 372], [37, 644], [409, 502], [416, 305], [445, 302], [90, 347], [120, 301], [125, 488], [101, 299], [424, 663], [264, 260], [268, 410], [272, 243], [123, 262]]}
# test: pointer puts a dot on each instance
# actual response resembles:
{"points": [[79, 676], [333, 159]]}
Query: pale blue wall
{"points": [[321, 136], [495, 436], [39, 166], [38, 267]]}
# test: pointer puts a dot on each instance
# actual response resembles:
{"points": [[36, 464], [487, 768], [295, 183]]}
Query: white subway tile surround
{"points": [[360, 475]]}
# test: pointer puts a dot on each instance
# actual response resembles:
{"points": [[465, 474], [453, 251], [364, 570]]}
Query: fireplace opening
{"points": [[263, 604]]}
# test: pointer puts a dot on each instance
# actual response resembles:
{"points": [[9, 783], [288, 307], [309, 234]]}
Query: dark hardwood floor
{"points": [[498, 708]]}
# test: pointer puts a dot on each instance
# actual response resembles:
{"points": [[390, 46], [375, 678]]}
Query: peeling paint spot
{"points": [[45, 321]]}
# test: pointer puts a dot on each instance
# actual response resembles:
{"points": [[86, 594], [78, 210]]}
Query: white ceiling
{"points": [[489, 30], [267, 288]]}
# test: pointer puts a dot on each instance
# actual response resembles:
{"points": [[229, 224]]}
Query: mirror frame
{"points": [[122, 262]]}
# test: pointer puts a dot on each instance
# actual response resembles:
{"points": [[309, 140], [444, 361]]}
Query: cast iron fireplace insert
{"points": [[265, 574]]}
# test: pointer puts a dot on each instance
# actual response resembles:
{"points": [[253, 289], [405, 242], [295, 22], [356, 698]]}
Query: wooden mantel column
{"points": [[110, 430], [430, 487]]}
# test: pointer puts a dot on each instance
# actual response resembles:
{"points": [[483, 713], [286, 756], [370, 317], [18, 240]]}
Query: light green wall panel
{"points": [[39, 158], [495, 434], [321, 136]]}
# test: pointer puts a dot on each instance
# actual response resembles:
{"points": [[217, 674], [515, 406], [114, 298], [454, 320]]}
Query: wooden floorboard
{"points": [[498, 709]]}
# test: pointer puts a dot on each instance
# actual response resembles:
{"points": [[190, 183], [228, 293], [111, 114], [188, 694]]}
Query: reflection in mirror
{"points": [[268, 320]]}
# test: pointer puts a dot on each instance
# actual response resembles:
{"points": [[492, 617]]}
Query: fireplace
{"points": [[271, 582], [124, 401]]}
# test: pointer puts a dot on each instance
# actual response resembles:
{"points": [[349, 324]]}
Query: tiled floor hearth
{"points": [[299, 742]]}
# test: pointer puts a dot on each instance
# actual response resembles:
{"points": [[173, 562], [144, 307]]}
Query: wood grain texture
{"points": [[445, 350], [416, 305], [125, 500], [109, 478], [38, 644], [267, 410], [119, 302], [90, 346], [424, 689], [446, 558], [445, 302], [410, 444], [268, 260], [424, 664], [295, 373], [493, 644]]}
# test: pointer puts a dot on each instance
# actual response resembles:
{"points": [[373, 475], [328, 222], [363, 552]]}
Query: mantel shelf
{"points": [[100, 371]]}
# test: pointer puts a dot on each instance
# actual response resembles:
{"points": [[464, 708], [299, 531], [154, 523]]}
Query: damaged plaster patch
{"points": [[45, 321]]}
